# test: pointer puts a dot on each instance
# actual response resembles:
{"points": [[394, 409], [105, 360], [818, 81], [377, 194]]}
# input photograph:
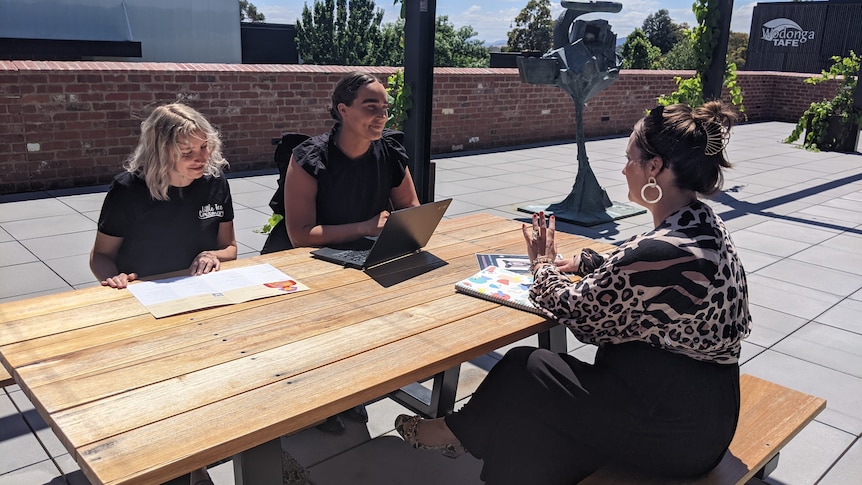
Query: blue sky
{"points": [[492, 18]]}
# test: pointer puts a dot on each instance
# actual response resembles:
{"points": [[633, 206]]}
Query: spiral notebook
{"points": [[500, 286]]}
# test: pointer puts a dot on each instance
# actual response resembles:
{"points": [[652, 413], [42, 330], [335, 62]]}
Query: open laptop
{"points": [[405, 232]]}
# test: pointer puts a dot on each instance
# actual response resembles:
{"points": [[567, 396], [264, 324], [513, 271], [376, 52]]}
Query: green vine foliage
{"points": [[817, 118], [400, 98], [267, 228], [704, 37]]}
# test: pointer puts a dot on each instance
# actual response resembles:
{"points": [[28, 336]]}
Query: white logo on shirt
{"points": [[211, 210]]}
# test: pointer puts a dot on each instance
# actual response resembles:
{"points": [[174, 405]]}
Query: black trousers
{"points": [[543, 417]]}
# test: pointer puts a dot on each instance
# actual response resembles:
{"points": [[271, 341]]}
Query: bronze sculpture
{"points": [[582, 62]]}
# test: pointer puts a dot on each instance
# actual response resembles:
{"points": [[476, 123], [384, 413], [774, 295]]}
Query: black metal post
{"points": [[714, 76], [419, 75]]}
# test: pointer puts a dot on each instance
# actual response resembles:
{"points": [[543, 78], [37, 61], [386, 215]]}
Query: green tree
{"points": [[661, 31], [336, 32], [534, 28], [737, 48], [638, 52], [680, 57], [392, 43], [248, 12], [456, 47]]}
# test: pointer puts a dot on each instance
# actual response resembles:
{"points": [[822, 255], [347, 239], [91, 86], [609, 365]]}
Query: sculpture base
{"points": [[618, 210]]}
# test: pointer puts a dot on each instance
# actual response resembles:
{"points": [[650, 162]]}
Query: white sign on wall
{"points": [[785, 33]]}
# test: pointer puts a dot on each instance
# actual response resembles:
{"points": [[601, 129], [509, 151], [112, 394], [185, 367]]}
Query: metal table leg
{"points": [[434, 403], [261, 465], [554, 339]]}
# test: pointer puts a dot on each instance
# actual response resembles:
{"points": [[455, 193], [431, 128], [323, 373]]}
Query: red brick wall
{"points": [[69, 124]]}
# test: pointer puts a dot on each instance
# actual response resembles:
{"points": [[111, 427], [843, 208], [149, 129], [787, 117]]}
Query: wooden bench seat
{"points": [[770, 416]]}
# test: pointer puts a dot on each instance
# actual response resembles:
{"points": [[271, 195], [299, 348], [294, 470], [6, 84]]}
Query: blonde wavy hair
{"points": [[158, 151]]}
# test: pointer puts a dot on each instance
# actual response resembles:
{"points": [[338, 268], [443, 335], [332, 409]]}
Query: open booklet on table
{"points": [[171, 296], [501, 286]]}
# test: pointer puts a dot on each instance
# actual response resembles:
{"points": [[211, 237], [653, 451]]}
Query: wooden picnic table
{"points": [[137, 399]]}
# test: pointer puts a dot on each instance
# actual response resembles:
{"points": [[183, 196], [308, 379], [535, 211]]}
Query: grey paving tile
{"points": [[23, 279], [243, 185], [832, 257], [252, 200], [86, 285], [769, 244], [828, 346], [810, 454], [444, 177], [845, 242], [13, 252], [793, 230], [846, 469], [19, 448], [75, 270], [46, 436], [823, 212], [92, 215], [812, 276], [5, 236], [789, 297], [496, 199], [483, 172], [739, 220], [249, 219], [251, 239], [34, 295], [459, 207], [42, 472], [844, 203], [769, 326], [50, 226], [31, 209], [269, 181], [85, 202], [842, 392], [71, 471], [749, 351], [61, 246], [846, 315], [754, 260]]}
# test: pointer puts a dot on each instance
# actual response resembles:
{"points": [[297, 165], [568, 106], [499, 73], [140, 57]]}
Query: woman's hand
{"points": [[120, 281], [540, 238], [204, 263], [569, 265], [376, 223]]}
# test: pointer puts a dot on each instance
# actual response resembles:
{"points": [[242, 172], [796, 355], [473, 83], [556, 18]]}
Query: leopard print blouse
{"points": [[680, 287]]}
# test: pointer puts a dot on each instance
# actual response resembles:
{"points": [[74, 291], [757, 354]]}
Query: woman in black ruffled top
{"points": [[341, 185]]}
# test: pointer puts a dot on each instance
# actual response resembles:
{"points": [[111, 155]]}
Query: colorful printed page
{"points": [[500, 286], [171, 296]]}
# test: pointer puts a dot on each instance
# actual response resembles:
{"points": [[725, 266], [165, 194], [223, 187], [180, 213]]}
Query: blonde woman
{"points": [[171, 209]]}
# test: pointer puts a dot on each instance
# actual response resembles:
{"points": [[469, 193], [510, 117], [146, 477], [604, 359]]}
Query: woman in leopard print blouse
{"points": [[667, 310]]}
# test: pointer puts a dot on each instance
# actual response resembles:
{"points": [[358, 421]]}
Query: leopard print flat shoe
{"points": [[408, 428]]}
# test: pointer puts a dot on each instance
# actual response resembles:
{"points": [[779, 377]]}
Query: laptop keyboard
{"points": [[355, 255]]}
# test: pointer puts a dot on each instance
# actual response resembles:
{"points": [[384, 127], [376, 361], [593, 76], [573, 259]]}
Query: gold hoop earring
{"points": [[651, 184]]}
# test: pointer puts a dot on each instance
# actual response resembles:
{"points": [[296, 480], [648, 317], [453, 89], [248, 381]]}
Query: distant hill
{"points": [[497, 43]]}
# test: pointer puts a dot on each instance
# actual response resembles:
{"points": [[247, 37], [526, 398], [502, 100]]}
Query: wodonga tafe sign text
{"points": [[786, 33]]}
